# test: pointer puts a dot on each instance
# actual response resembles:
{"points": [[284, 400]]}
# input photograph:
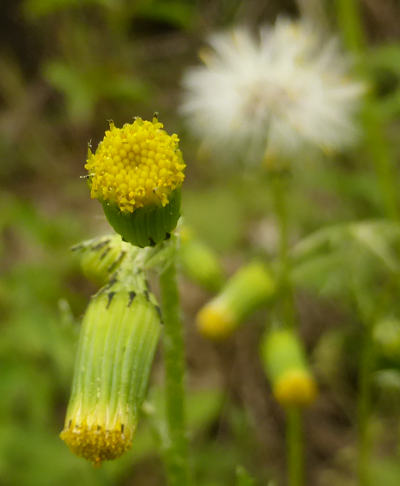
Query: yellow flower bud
{"points": [[295, 387], [286, 365], [248, 290], [118, 338]]}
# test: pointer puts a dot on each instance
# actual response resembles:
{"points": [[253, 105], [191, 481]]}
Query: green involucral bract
{"points": [[148, 225]]}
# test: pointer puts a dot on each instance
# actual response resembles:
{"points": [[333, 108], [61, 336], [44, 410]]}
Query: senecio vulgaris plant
{"points": [[136, 173]]}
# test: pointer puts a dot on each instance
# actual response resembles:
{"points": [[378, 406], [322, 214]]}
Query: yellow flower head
{"points": [[136, 166], [97, 442]]}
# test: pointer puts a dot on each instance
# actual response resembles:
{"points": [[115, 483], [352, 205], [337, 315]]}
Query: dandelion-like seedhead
{"points": [[135, 166], [274, 95]]}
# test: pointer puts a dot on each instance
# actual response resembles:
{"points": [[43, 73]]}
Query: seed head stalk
{"points": [[279, 188], [174, 358], [294, 437]]}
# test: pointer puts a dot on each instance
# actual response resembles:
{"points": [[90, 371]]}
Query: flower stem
{"points": [[294, 439], [174, 358], [279, 193], [363, 408]]}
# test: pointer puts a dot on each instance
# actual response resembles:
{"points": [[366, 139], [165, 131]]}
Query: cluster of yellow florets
{"points": [[96, 443], [136, 165]]}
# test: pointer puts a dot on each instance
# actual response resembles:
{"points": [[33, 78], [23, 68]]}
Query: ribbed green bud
{"points": [[386, 335], [199, 262], [101, 257], [148, 225], [249, 289], [286, 366], [119, 334]]}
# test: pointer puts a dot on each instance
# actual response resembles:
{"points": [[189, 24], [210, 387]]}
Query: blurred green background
{"points": [[68, 66]]}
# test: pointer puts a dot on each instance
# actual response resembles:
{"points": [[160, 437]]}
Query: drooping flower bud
{"points": [[286, 366], [248, 290], [136, 173], [119, 334]]}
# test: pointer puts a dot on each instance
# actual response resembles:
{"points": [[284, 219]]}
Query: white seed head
{"points": [[272, 95]]}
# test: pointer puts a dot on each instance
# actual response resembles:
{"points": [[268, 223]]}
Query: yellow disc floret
{"points": [[136, 165], [96, 442]]}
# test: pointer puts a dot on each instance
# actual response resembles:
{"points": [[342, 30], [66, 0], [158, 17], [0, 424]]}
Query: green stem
{"points": [[280, 200], [367, 315], [363, 409], [294, 438], [353, 33], [174, 357], [349, 19]]}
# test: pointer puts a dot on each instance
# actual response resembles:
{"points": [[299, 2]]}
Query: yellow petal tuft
{"points": [[136, 165], [97, 443]]}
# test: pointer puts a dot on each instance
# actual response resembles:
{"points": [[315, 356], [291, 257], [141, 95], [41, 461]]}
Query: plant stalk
{"points": [[349, 19], [294, 439], [279, 193], [174, 358], [348, 12], [364, 408]]}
